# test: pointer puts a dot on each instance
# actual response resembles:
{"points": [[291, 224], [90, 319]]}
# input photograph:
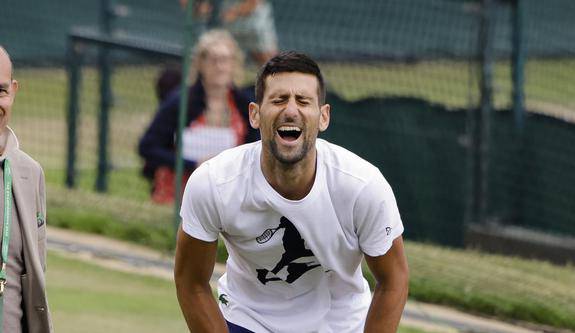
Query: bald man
{"points": [[23, 302]]}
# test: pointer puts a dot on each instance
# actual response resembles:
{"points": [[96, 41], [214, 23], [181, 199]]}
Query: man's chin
{"points": [[288, 156], [288, 160]]}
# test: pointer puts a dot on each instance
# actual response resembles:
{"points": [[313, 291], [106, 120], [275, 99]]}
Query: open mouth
{"points": [[289, 133]]}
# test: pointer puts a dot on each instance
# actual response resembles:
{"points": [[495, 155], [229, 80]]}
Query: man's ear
{"points": [[254, 115], [324, 117], [14, 87]]}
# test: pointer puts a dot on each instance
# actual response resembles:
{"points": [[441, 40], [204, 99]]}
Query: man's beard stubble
{"points": [[289, 160]]}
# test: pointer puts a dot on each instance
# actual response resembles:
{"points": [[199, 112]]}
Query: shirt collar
{"points": [[8, 141]]}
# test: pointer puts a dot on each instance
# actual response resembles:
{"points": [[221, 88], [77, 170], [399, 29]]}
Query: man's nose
{"points": [[291, 108]]}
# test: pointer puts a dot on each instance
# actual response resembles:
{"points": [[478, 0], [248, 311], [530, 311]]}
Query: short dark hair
{"points": [[289, 62]]}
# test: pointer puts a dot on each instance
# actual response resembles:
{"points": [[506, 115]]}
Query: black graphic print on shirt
{"points": [[294, 247]]}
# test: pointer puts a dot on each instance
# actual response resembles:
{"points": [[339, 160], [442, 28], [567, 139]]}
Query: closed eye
{"points": [[302, 100]]}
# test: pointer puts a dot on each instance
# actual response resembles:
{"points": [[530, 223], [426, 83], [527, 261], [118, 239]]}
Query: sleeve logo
{"points": [[40, 219]]}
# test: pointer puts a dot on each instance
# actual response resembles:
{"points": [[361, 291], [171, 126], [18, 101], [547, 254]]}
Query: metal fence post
{"points": [[518, 98], [105, 99], [518, 63], [481, 118], [183, 110], [74, 81]]}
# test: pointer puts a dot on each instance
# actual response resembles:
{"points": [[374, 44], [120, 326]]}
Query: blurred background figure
{"points": [[217, 115], [251, 22], [169, 78]]}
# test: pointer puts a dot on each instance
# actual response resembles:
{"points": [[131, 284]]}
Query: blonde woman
{"points": [[217, 116]]}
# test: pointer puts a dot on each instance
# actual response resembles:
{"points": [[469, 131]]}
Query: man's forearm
{"points": [[200, 310], [386, 309]]}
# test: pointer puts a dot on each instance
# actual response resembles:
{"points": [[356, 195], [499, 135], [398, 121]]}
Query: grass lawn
{"points": [[85, 298], [501, 286], [455, 83], [137, 221]]}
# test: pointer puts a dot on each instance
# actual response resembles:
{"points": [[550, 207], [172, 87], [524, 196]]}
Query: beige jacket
{"points": [[30, 200]]}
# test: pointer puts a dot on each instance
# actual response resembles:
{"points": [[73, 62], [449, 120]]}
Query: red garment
{"points": [[164, 185]]}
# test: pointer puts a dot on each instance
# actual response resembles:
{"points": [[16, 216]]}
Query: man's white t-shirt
{"points": [[293, 266]]}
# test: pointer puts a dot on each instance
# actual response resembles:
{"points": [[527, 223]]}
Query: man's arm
{"points": [[392, 276], [193, 269]]}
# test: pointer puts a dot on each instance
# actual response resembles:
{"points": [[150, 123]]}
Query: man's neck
{"points": [[292, 181], [215, 91]]}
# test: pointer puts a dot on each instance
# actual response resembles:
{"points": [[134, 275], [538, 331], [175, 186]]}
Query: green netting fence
{"points": [[405, 85]]}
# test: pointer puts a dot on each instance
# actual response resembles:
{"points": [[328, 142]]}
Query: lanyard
{"points": [[5, 234], [7, 222]]}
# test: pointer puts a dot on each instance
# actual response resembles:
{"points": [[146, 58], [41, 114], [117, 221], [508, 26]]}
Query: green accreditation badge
{"points": [[5, 234]]}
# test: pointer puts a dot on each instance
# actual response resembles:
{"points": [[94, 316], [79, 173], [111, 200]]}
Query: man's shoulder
{"points": [[18, 158], [22, 159], [233, 162], [343, 162]]}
